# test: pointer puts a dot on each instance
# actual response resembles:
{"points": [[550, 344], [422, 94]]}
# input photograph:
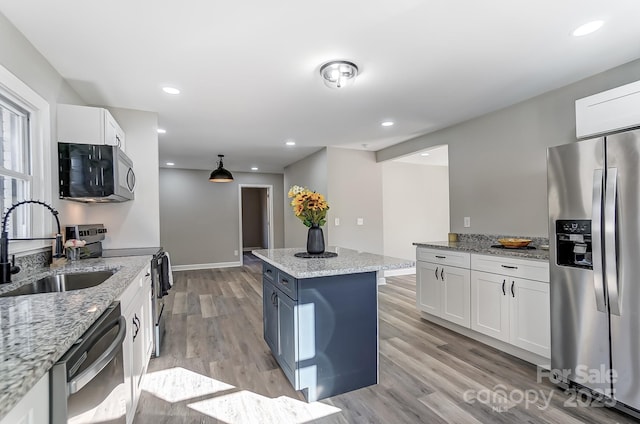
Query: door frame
{"points": [[269, 188]]}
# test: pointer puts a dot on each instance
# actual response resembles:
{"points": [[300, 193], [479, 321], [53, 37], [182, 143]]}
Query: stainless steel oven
{"points": [[87, 383]]}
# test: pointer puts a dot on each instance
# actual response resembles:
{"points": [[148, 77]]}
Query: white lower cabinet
{"points": [[509, 304], [502, 297], [530, 317], [33, 408], [444, 291], [136, 307]]}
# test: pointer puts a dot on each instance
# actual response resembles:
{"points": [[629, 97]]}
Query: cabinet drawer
{"points": [[444, 257], [287, 284], [269, 272], [513, 267]]}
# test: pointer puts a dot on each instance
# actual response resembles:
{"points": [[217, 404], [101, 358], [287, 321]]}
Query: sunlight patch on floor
{"points": [[178, 384], [248, 407]]}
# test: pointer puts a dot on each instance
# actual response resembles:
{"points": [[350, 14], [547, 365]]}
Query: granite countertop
{"points": [[485, 248], [348, 261], [37, 329]]}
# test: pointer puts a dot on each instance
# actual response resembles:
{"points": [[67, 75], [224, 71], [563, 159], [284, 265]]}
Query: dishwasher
{"points": [[87, 384]]}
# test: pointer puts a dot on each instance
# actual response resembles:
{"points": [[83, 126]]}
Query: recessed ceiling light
{"points": [[387, 123], [254, 168], [587, 28], [161, 131], [290, 143], [170, 90], [424, 154], [170, 163]]}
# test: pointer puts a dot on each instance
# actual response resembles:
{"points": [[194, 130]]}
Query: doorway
{"points": [[256, 211]]}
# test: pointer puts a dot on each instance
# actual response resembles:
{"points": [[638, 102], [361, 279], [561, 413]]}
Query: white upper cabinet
{"points": [[88, 125], [612, 110]]}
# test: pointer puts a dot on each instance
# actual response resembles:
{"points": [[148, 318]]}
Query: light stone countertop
{"points": [[37, 329], [485, 248], [348, 261]]}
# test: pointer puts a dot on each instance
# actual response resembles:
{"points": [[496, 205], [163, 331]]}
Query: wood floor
{"points": [[216, 368]]}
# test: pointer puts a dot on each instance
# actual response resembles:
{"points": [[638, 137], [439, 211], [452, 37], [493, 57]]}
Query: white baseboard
{"points": [[402, 271], [192, 267]]}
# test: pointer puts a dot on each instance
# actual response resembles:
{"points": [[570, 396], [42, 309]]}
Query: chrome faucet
{"points": [[8, 268]]}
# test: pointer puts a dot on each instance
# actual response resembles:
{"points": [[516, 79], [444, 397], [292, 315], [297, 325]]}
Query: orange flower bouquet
{"points": [[310, 207]]}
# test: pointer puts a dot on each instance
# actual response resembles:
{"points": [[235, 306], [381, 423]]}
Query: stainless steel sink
{"points": [[62, 283]]}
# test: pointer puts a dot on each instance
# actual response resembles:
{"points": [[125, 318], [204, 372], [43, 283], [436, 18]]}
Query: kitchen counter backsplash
{"points": [[482, 244], [491, 239], [32, 264]]}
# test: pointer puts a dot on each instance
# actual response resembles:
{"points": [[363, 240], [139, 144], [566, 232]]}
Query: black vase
{"points": [[315, 240]]}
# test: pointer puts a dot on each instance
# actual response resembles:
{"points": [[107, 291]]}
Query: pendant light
{"points": [[220, 175]]}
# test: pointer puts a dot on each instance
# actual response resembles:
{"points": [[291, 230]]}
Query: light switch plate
{"points": [[467, 221], [336, 221], [360, 221]]}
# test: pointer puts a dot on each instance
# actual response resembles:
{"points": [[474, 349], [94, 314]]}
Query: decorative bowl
{"points": [[514, 242]]}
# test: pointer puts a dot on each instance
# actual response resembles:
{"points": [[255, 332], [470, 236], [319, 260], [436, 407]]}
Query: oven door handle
{"points": [[103, 360]]}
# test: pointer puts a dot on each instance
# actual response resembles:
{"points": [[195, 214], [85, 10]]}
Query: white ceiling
{"points": [[249, 69]]}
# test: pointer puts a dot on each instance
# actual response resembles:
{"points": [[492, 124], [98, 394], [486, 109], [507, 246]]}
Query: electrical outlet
{"points": [[336, 221], [360, 221], [235, 253], [467, 221]]}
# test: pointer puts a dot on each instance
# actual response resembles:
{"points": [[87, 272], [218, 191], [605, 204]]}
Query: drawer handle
{"points": [[442, 273], [268, 271], [436, 273], [441, 257], [284, 281], [513, 294], [509, 266], [504, 282]]}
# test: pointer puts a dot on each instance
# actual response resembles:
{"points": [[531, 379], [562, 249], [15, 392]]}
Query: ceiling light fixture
{"points": [[161, 131], [220, 175], [587, 28], [424, 154], [290, 143], [170, 163], [387, 123], [338, 73], [254, 168], [170, 90]]}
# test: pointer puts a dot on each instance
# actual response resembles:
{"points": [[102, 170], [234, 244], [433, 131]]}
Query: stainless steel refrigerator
{"points": [[594, 243]]}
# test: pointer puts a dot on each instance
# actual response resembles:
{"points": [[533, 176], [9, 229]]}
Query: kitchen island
{"points": [[320, 317]]}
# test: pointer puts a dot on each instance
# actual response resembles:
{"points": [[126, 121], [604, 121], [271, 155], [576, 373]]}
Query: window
{"points": [[15, 169], [25, 161]]}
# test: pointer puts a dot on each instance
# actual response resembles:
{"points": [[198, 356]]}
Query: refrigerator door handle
{"points": [[611, 260], [596, 247]]}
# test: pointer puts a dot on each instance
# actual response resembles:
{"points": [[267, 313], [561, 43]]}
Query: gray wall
{"points": [[199, 220], [253, 220], [310, 172], [355, 191], [497, 162], [19, 56], [415, 207], [134, 223]]}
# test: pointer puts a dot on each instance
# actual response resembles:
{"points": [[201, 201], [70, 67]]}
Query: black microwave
{"points": [[92, 173]]}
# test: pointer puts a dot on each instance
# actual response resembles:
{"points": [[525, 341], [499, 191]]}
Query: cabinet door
{"points": [[127, 362], [270, 316], [530, 325], [428, 286], [113, 134], [456, 295], [139, 352], [490, 304], [286, 332], [33, 408], [147, 316]]}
